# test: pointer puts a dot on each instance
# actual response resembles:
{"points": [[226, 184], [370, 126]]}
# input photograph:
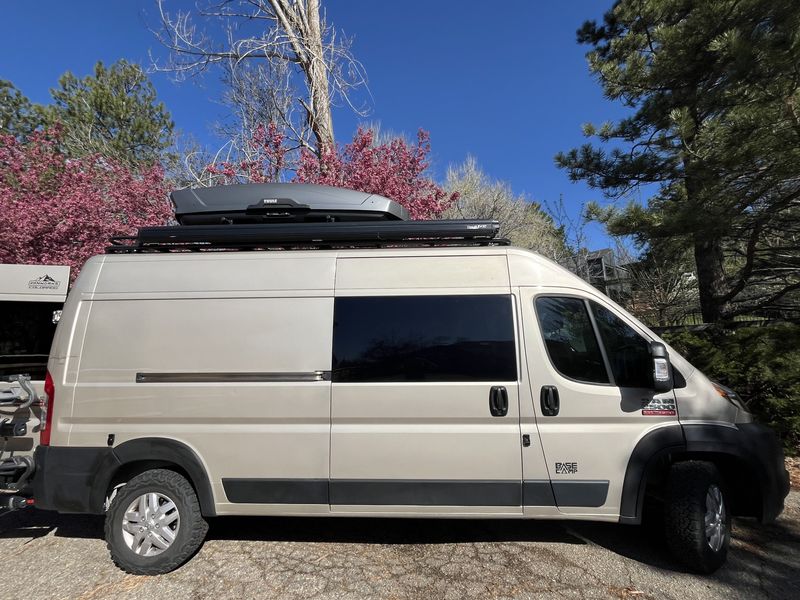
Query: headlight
{"points": [[730, 396]]}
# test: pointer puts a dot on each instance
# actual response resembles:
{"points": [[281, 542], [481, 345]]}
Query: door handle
{"points": [[549, 400], [498, 401]]}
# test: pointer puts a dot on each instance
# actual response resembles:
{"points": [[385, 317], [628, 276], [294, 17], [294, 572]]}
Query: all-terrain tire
{"points": [[191, 531], [685, 516]]}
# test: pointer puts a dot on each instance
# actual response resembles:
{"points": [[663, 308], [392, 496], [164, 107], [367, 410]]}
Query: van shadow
{"points": [[369, 530], [633, 542], [34, 524], [749, 559]]}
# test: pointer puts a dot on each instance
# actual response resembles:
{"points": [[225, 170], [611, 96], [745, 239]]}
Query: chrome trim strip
{"points": [[231, 377]]}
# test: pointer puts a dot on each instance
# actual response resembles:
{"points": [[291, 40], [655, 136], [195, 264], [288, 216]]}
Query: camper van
{"points": [[302, 350]]}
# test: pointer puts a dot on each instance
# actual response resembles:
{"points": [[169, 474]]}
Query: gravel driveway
{"points": [[52, 556]]}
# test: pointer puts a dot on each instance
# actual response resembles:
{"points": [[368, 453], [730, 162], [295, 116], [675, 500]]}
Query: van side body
{"points": [[249, 373]]}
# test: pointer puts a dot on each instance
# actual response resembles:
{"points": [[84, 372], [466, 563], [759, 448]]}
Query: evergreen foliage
{"points": [[114, 113], [18, 115], [762, 364], [714, 92]]}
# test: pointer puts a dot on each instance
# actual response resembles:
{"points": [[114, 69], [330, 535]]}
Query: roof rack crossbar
{"points": [[311, 235]]}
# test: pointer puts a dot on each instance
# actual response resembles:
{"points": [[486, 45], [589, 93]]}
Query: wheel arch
{"points": [[653, 456], [136, 456]]}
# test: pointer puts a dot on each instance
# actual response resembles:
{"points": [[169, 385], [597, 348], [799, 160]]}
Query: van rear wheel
{"points": [[154, 523], [697, 516]]}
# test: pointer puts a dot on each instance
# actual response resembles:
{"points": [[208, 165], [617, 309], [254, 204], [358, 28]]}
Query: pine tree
{"points": [[113, 113], [714, 92], [18, 115]]}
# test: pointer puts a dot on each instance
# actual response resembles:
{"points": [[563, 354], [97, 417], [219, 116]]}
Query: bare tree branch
{"points": [[294, 34]]}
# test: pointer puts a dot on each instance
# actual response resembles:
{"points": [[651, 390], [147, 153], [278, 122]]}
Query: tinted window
{"points": [[627, 351], [570, 339], [424, 338], [26, 332]]}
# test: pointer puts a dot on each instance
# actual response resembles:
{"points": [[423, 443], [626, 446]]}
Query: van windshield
{"points": [[26, 332]]}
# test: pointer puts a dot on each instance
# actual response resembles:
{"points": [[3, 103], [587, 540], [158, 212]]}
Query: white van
{"points": [[399, 368]]}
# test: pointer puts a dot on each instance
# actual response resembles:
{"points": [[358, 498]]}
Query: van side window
{"points": [[424, 338], [627, 351], [570, 339]]}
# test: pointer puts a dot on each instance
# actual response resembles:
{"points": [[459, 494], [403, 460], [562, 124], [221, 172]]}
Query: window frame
{"points": [[602, 342], [515, 326], [587, 300]]}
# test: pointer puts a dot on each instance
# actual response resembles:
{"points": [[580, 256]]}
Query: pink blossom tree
{"points": [[264, 159], [59, 210], [395, 169]]}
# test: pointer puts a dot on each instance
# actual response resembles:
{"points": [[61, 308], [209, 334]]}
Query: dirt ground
{"points": [[793, 466], [59, 556]]}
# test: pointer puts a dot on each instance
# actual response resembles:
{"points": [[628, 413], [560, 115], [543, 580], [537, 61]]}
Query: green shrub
{"points": [[762, 364]]}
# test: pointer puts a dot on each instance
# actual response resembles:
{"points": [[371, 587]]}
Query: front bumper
{"points": [[767, 452]]}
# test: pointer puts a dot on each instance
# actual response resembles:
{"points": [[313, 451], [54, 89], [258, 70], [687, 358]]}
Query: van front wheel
{"points": [[697, 516], [154, 524]]}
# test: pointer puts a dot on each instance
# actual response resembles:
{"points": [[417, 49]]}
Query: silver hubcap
{"points": [[150, 524], [715, 518]]}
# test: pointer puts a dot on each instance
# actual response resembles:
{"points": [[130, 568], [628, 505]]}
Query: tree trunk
{"points": [[301, 22], [710, 277], [707, 243], [320, 118]]}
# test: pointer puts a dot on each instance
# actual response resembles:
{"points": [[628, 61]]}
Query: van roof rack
{"points": [[256, 203], [310, 236]]}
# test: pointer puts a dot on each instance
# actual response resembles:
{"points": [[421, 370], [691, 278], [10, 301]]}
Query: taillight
{"points": [[47, 411]]}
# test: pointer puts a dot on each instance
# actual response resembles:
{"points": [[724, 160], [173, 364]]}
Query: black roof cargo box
{"points": [[257, 203]]}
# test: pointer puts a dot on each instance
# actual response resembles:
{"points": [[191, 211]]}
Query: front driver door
{"points": [[592, 392]]}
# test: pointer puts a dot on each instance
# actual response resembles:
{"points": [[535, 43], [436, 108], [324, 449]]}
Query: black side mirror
{"points": [[662, 370]]}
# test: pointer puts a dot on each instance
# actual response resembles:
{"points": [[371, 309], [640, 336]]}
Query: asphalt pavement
{"points": [[46, 555]]}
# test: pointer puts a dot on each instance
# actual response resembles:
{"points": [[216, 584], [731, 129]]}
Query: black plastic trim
{"points": [[276, 491], [171, 451], [657, 443], [388, 492], [65, 477], [537, 492], [580, 492], [426, 492], [757, 447], [76, 479]]}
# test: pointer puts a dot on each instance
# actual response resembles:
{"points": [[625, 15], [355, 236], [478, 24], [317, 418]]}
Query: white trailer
{"points": [[31, 299]]}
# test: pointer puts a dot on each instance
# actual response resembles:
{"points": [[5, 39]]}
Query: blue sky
{"points": [[503, 81]]}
